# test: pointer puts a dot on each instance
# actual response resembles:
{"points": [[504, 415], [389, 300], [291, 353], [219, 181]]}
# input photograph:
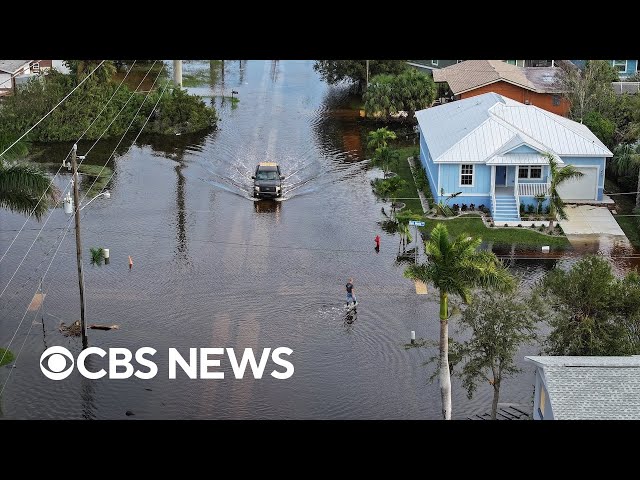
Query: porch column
{"points": [[515, 183], [493, 180]]}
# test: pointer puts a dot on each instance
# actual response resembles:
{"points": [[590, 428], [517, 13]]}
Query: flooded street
{"points": [[214, 268]]}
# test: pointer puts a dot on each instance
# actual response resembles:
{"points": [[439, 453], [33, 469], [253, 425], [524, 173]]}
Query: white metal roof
{"points": [[520, 159], [592, 388], [478, 128], [11, 66]]}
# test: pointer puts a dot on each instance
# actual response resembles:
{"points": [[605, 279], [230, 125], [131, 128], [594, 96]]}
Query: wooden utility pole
{"points": [[76, 201], [177, 73]]}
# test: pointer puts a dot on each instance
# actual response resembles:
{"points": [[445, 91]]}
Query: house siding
{"points": [[522, 95], [430, 167], [478, 194], [632, 68], [590, 161], [547, 414]]}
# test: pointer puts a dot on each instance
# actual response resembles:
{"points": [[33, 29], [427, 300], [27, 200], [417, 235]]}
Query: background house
{"points": [[430, 65], [625, 68], [14, 73], [538, 86], [490, 148], [586, 388]]}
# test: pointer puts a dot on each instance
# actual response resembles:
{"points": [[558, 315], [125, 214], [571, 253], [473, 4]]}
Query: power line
{"points": [[56, 204], [63, 162], [79, 203], [51, 111]]}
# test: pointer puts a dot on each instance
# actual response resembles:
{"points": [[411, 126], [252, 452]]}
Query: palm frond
{"points": [[21, 187]]}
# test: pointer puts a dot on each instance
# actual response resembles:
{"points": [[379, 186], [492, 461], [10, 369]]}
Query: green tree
{"points": [[379, 138], [558, 177], [389, 94], [22, 185], [586, 308], [5, 357], [389, 188], [81, 68], [589, 89], [404, 230], [602, 127], [355, 71], [626, 161], [383, 156], [499, 324], [455, 268]]}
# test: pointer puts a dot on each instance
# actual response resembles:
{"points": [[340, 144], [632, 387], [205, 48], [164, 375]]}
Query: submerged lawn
{"points": [[8, 357], [520, 236]]}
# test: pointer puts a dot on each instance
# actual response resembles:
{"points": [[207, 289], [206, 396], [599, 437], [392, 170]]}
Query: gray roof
{"points": [[545, 79], [10, 66], [478, 128], [592, 388], [626, 87]]}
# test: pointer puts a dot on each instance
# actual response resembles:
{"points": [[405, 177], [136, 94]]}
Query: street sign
{"points": [[416, 223]]}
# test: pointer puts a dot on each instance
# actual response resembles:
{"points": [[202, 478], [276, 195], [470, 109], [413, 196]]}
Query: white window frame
{"points": [[434, 63], [529, 167], [35, 67], [626, 65], [473, 175]]}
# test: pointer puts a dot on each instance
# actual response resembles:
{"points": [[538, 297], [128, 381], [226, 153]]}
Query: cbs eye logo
{"points": [[55, 366]]}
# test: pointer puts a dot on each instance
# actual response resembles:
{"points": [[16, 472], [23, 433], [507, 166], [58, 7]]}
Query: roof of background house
{"points": [[626, 87], [472, 74], [10, 66], [592, 388], [478, 128]]}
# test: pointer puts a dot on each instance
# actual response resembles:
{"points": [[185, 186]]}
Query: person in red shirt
{"points": [[377, 240]]}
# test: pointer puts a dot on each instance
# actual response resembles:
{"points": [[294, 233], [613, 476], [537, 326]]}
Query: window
{"points": [[434, 63], [620, 65], [511, 62], [466, 175], [35, 67], [525, 171], [556, 100]]}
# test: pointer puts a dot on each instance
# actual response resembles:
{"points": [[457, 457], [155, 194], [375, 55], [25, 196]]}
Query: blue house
{"points": [[490, 149], [625, 68]]}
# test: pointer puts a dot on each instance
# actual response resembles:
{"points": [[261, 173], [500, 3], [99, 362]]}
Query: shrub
{"points": [[472, 207], [456, 207], [546, 210], [520, 225], [533, 225], [530, 209], [541, 228], [492, 224], [506, 225], [464, 207], [521, 208]]}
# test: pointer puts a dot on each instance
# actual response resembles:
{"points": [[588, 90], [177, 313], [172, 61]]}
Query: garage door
{"points": [[583, 188]]}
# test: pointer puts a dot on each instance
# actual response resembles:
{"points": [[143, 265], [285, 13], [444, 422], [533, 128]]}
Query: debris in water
{"points": [[104, 327], [129, 413], [73, 330]]}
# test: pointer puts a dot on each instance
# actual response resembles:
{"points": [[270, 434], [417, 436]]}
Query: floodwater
{"points": [[213, 268]]}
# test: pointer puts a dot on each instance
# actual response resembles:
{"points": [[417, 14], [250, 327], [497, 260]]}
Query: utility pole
{"points": [[367, 74], [177, 73], [76, 201]]}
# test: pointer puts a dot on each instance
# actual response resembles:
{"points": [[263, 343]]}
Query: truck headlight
{"points": [[256, 188], [277, 189]]}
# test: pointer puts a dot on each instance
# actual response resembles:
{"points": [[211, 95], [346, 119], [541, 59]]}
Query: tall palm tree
{"points": [[22, 185], [558, 176], [455, 268], [626, 161]]}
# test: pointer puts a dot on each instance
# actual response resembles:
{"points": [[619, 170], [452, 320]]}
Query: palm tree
{"points": [[22, 186], [558, 176], [540, 200], [455, 268], [626, 161], [379, 138]]}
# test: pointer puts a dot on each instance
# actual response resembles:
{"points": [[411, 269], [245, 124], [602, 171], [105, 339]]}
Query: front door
{"points": [[501, 176]]}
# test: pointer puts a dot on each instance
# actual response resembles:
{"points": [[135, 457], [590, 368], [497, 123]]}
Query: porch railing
{"points": [[532, 189]]}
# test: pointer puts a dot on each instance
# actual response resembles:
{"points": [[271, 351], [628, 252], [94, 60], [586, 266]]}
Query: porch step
{"points": [[505, 209]]}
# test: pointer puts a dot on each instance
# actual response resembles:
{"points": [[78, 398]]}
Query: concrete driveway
{"points": [[589, 219]]}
